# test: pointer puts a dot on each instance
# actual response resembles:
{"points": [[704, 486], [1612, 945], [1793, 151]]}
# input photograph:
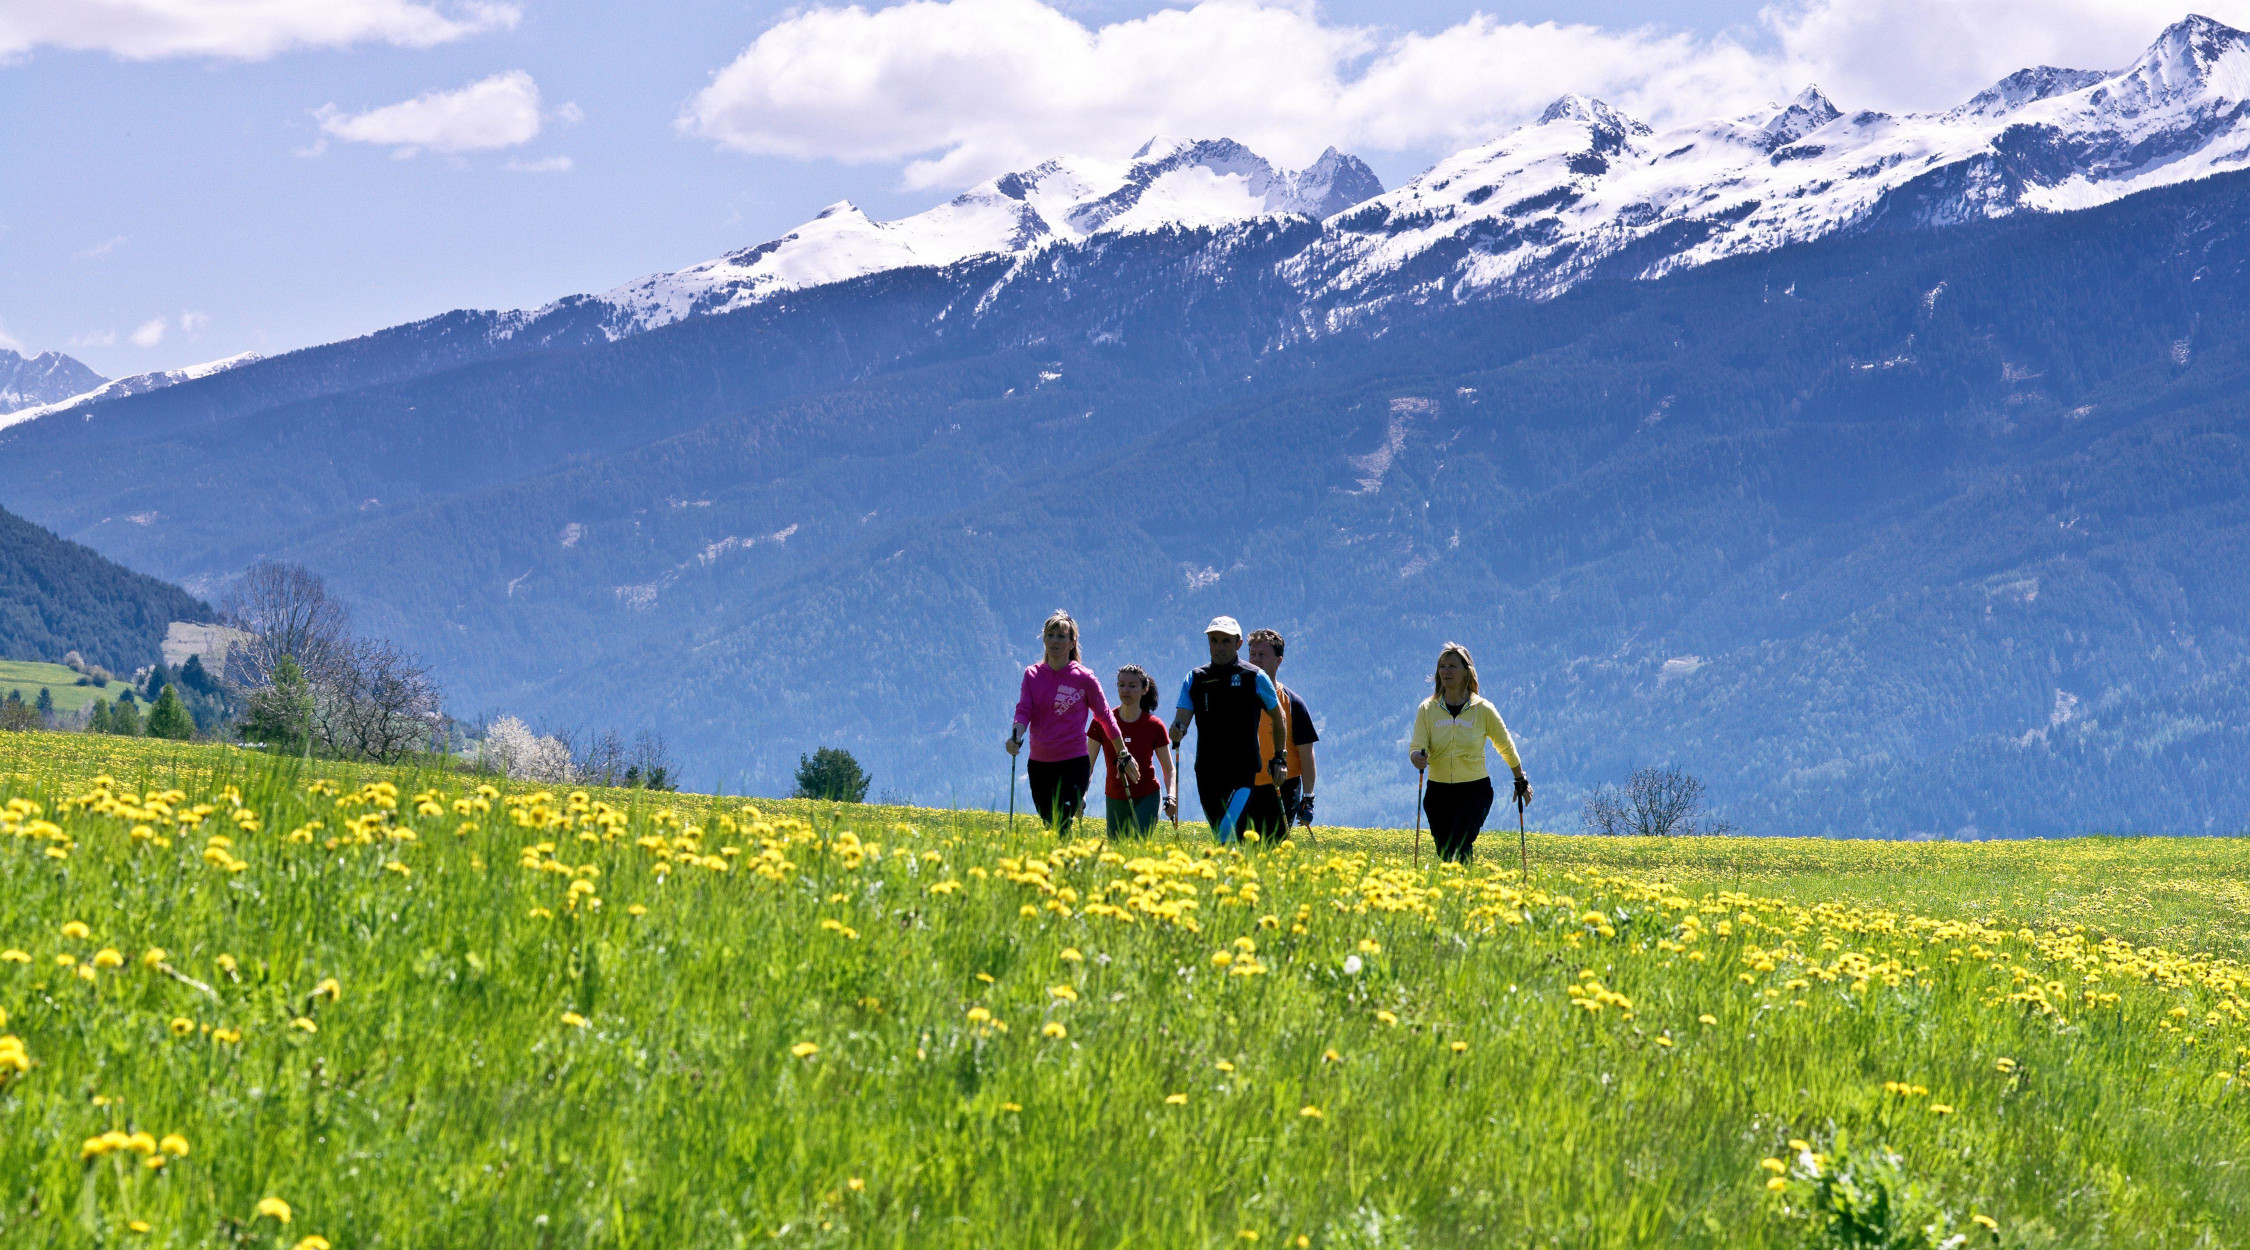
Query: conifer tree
{"points": [[97, 717], [125, 719], [169, 718]]}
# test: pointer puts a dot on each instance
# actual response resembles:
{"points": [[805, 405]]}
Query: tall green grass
{"points": [[1415, 1065]]}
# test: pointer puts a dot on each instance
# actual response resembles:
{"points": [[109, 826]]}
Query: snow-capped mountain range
{"points": [[139, 383], [1169, 184], [1584, 191]]}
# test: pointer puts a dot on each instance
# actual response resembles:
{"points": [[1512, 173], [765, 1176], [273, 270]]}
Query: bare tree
{"points": [[1654, 803], [375, 702], [287, 611]]}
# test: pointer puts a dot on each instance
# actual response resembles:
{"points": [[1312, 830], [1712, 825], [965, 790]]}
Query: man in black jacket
{"points": [[1228, 697]]}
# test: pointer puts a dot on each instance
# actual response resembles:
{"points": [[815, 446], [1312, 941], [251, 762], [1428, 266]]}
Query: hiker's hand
{"points": [[1172, 808], [1523, 788], [1420, 759], [1129, 770], [1304, 810], [1014, 744], [1277, 768]]}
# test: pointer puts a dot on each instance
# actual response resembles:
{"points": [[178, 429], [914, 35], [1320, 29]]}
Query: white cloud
{"points": [[149, 333], [193, 323], [958, 90], [143, 30], [10, 342], [544, 165], [497, 112], [94, 338]]}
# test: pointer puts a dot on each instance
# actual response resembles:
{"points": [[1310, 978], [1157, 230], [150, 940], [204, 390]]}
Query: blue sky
{"points": [[171, 193]]}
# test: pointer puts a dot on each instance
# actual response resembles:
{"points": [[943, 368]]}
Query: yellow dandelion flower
{"points": [[1028, 912], [1224, 1066], [1070, 955], [1063, 992], [1706, 1018], [182, 1026], [1775, 1166], [985, 977], [107, 957], [304, 1025], [1369, 946], [1940, 1108], [141, 1143], [65, 961], [574, 1020], [14, 956], [1459, 1047], [226, 964], [978, 1015], [1248, 1234], [1799, 1145], [636, 910], [153, 1162], [329, 989], [804, 1050], [2004, 1065], [1054, 1029], [275, 1208], [174, 1145], [1387, 1017], [77, 929], [139, 1226], [153, 956], [1985, 1220], [1312, 1113], [314, 1242], [85, 972], [1220, 959], [1330, 1056], [1775, 1182], [1175, 1100], [1009, 1106], [1665, 1042]]}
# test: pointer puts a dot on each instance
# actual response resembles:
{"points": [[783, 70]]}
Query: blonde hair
{"points": [[1437, 683], [1065, 620]]}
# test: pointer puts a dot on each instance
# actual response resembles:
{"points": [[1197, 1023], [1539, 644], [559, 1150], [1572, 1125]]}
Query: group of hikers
{"points": [[1254, 759]]}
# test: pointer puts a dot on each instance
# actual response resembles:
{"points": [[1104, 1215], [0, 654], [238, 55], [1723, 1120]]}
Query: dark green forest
{"points": [[57, 597], [1931, 534]]}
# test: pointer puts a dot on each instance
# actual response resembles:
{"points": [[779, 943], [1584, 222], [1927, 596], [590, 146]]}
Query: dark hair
{"points": [[1269, 637], [1065, 620], [1148, 685]]}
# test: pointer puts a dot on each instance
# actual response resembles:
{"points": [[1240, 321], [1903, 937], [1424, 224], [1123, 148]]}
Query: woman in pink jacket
{"points": [[1059, 697]]}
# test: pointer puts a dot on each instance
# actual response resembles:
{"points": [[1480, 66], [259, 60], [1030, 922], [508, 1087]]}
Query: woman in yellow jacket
{"points": [[1450, 730]]}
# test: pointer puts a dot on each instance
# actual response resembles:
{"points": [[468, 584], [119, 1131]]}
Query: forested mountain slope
{"points": [[57, 597], [1936, 533]]}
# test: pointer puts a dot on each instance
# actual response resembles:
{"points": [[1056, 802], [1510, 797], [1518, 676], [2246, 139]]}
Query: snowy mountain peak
{"points": [[28, 381], [1578, 108], [1171, 182], [1809, 111], [139, 383], [2193, 57]]}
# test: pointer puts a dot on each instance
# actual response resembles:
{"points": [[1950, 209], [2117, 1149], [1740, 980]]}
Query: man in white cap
{"points": [[1227, 697]]}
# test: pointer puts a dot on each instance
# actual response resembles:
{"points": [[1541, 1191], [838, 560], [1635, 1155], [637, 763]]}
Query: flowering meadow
{"points": [[263, 1003]]}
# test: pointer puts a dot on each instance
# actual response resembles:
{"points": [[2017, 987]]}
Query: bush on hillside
{"points": [[831, 773], [512, 749]]}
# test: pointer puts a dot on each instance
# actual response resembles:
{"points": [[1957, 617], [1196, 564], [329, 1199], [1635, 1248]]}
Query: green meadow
{"points": [[262, 1003], [28, 678]]}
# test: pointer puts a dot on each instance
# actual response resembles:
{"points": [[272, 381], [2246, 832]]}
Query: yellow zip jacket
{"points": [[1456, 743]]}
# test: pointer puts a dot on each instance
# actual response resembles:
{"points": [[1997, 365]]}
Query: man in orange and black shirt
{"points": [[1272, 809]]}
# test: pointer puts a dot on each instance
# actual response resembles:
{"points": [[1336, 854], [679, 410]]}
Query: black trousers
{"points": [[1263, 813], [1457, 810], [1215, 788], [1058, 790]]}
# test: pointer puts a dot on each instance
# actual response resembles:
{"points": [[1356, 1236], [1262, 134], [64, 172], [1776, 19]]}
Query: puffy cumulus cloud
{"points": [[1933, 54], [961, 89], [498, 112], [252, 30], [149, 333], [965, 88]]}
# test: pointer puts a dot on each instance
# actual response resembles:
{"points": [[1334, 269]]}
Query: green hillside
{"points": [[29, 677], [57, 597]]}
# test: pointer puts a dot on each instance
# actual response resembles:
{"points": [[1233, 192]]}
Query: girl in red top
{"points": [[1058, 699], [1132, 805]]}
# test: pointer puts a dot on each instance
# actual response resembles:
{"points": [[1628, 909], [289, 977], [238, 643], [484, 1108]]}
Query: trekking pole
{"points": [[1523, 839], [1419, 775], [1011, 793]]}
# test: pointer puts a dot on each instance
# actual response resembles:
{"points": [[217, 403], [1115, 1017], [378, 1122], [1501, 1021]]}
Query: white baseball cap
{"points": [[1224, 625]]}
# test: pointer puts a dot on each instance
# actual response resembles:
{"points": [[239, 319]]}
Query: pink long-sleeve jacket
{"points": [[1056, 705]]}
